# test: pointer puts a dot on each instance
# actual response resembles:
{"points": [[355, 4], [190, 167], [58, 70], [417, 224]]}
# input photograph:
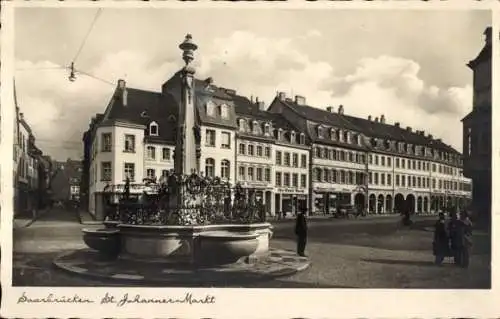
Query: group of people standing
{"points": [[453, 238]]}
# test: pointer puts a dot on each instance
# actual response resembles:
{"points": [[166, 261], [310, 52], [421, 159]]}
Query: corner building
{"points": [[477, 132], [370, 164]]}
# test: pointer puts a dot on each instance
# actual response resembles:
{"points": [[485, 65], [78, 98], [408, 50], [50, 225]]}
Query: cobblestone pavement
{"points": [[366, 253]]}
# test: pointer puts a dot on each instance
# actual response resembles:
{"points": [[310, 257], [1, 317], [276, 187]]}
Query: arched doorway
{"points": [[434, 203], [359, 201], [410, 203], [388, 204], [371, 205], [399, 203], [380, 204], [419, 204], [426, 204]]}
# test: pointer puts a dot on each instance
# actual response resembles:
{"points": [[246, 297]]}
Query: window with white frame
{"points": [[105, 171], [242, 125], [303, 161], [259, 174], [106, 142], [242, 149], [286, 179], [295, 160], [267, 174], [225, 140], [153, 129], [250, 175], [209, 167], [225, 169], [251, 150], [320, 132], [241, 173], [259, 150], [210, 108], [303, 180], [129, 171], [129, 145], [295, 180], [151, 152], [210, 138], [267, 152], [278, 179], [292, 137], [224, 111], [255, 127], [166, 154]]}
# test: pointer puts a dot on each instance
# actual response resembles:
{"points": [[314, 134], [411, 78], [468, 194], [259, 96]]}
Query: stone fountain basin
{"points": [[106, 241], [224, 247], [190, 243]]}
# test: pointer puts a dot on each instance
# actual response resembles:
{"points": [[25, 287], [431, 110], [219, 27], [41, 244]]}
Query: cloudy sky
{"points": [[408, 65]]}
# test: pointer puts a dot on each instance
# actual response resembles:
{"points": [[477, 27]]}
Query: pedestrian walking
{"points": [[440, 245], [301, 232]]}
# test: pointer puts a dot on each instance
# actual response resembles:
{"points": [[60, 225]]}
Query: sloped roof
{"points": [[365, 126], [144, 107]]}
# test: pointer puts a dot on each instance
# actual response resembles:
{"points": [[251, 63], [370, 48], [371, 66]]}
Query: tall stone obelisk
{"points": [[185, 152]]}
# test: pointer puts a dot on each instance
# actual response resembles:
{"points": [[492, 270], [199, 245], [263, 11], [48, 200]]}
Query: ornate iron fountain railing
{"points": [[184, 200]]}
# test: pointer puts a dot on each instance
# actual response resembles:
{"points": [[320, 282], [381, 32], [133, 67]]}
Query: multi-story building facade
{"points": [[477, 132], [272, 158], [369, 163], [290, 157]]}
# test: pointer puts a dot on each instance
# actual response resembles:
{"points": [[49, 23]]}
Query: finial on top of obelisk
{"points": [[188, 47]]}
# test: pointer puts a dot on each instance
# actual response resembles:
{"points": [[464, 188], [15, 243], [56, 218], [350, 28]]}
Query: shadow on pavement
{"points": [[60, 214]]}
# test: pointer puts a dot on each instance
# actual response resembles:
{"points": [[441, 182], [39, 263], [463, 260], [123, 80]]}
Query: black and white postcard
{"points": [[258, 160]]}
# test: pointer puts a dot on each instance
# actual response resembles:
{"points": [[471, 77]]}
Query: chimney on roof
{"points": [[300, 100], [430, 136], [408, 128], [397, 124], [376, 119], [439, 140], [382, 119], [21, 116], [256, 99], [251, 99], [341, 109], [330, 109], [122, 91], [422, 133], [261, 105], [369, 118], [282, 96]]}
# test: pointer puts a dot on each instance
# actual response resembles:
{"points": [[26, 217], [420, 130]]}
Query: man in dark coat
{"points": [[440, 245], [301, 232]]}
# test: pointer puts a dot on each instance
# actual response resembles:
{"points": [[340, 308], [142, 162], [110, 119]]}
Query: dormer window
{"points": [[340, 135], [255, 127], [241, 124], [401, 147], [358, 139], [280, 134], [292, 137], [333, 135], [224, 111], [210, 108], [267, 129], [320, 132], [409, 148], [347, 137], [302, 138], [153, 129]]}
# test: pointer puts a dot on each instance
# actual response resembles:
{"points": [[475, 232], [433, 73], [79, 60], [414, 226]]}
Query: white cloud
{"points": [[253, 65]]}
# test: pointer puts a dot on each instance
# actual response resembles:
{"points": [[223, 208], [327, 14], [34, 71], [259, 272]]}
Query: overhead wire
{"points": [[87, 35]]}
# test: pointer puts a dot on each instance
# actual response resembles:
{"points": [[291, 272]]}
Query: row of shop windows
{"points": [[359, 178]]}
